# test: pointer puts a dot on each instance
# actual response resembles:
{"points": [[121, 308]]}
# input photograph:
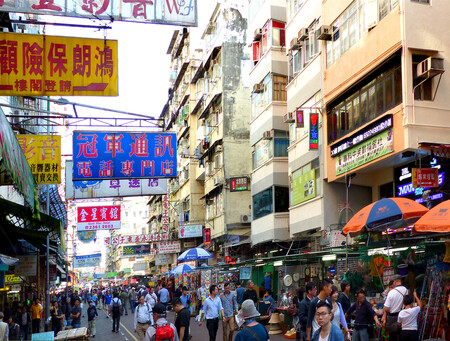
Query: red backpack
{"points": [[164, 333]]}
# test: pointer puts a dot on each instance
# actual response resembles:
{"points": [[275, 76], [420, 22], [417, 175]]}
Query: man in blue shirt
{"points": [[211, 308], [164, 296], [239, 293], [185, 298], [230, 307], [268, 299], [108, 298]]}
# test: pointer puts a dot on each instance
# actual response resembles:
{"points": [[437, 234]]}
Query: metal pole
{"points": [[47, 277]]}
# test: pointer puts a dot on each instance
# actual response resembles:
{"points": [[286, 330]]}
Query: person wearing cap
{"points": [[211, 308], [252, 331], [159, 313], [392, 306]]}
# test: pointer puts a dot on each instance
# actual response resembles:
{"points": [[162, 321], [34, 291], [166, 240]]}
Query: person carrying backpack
{"points": [[162, 330], [116, 308], [252, 331]]}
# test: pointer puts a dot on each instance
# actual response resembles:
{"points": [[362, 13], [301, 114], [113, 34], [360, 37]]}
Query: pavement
{"points": [[126, 331]]}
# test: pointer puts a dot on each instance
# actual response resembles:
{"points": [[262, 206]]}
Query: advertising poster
{"points": [[169, 247], [190, 231], [87, 261], [303, 186]]}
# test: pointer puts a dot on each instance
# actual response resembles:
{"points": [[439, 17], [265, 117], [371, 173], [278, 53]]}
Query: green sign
{"points": [[112, 274], [126, 271], [363, 153], [303, 186]]}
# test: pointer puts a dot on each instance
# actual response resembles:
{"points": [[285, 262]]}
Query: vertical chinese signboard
{"points": [[207, 236], [299, 118], [98, 218], [313, 131], [165, 214], [119, 155], [43, 153], [36, 65]]}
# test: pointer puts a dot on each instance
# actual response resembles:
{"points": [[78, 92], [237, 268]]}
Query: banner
{"points": [[136, 238], [169, 247], [190, 231], [111, 188], [136, 250], [303, 186], [165, 214], [98, 218], [27, 266], [163, 259], [38, 65], [86, 261], [122, 155], [371, 149], [169, 12]]}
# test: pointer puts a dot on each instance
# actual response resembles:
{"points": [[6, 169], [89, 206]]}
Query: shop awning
{"points": [[7, 260], [57, 208]]}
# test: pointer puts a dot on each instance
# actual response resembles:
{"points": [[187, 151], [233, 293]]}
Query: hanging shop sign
{"points": [[190, 231], [168, 12], [111, 188], [136, 238], [163, 259], [136, 250], [262, 152], [313, 131], [87, 260], [15, 164], [369, 150], [299, 119], [425, 177], [165, 214], [362, 135], [189, 245], [207, 236], [38, 65], [27, 266], [9, 279], [239, 184], [122, 155], [169, 247], [303, 186], [43, 153], [98, 218], [111, 274]]}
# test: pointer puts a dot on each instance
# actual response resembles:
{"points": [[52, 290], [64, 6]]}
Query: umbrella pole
{"points": [[389, 247]]}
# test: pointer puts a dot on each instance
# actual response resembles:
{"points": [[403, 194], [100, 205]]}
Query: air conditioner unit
{"points": [[217, 181], [219, 149], [430, 67], [289, 117], [259, 87], [246, 218], [295, 44], [303, 34], [267, 135], [258, 34], [325, 32]]}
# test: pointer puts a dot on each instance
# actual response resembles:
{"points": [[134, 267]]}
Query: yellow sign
{"points": [[43, 153], [37, 65], [12, 279]]}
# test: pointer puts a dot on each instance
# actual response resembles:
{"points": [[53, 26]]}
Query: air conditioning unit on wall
{"points": [[325, 32], [246, 218], [430, 67]]}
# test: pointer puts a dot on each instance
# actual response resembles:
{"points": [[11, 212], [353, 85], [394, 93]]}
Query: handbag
{"points": [[292, 310]]}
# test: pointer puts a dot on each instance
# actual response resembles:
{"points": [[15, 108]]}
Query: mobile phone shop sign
{"points": [[123, 155]]}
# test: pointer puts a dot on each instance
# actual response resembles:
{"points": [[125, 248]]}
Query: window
{"points": [[272, 88], [379, 95], [293, 6], [281, 199], [214, 205], [265, 150], [295, 63], [263, 203], [273, 34]]}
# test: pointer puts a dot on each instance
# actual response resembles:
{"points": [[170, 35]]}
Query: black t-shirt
{"points": [[183, 319], [75, 311], [250, 295]]}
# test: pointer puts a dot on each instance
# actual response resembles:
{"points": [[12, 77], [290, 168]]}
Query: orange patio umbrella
{"points": [[436, 220], [387, 213]]}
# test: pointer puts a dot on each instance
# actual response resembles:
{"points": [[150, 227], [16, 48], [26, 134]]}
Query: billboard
{"points": [[169, 247], [136, 238], [38, 65], [169, 12], [98, 218], [43, 153], [27, 266], [303, 186], [136, 250], [123, 155], [86, 261], [190, 231], [112, 188]]}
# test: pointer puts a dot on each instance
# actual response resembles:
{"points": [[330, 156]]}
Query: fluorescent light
{"points": [[259, 260], [278, 263], [231, 269], [384, 251], [260, 264], [273, 251], [329, 257]]}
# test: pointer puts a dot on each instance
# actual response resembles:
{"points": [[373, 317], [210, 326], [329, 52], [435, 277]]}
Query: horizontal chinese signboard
{"points": [[139, 238], [37, 65], [371, 149], [27, 266], [43, 153], [111, 188], [425, 177], [169, 12], [190, 231], [98, 218], [303, 186], [86, 261], [163, 259], [169, 247], [135, 250], [239, 184], [123, 155], [12, 279]]}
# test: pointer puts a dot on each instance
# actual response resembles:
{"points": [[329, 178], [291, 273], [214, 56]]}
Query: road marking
{"points": [[134, 338]]}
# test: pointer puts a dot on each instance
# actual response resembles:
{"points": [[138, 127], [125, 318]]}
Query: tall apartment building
{"points": [[384, 93], [268, 132]]}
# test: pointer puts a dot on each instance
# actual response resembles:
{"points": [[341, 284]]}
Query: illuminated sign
{"points": [[171, 12], [135, 250], [98, 218], [118, 155], [238, 184], [38, 65], [87, 261], [207, 236], [425, 177], [299, 119], [362, 135], [313, 131]]}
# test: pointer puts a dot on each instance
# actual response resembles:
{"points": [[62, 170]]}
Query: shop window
{"points": [[387, 190], [263, 203], [281, 199]]}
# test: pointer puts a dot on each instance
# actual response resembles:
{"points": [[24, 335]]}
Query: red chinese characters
{"points": [[56, 57], [87, 149], [105, 63], [89, 5], [8, 56], [140, 145], [32, 59], [47, 4], [140, 7], [82, 60], [98, 218]]}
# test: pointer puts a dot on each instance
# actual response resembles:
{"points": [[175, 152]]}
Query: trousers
{"points": [[212, 325], [91, 327], [141, 328], [228, 328]]}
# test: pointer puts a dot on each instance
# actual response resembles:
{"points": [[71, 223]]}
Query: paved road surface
{"points": [[126, 332]]}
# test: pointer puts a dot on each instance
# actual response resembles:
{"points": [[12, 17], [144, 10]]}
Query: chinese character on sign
{"points": [[83, 215], [140, 7], [148, 164], [167, 167], [140, 145], [103, 213], [47, 4], [106, 168], [134, 183], [88, 5], [113, 144], [84, 168], [8, 57], [88, 149], [49, 149], [113, 213], [114, 184], [82, 60], [127, 168], [161, 144], [32, 59], [153, 183], [56, 59], [105, 65], [107, 240]]}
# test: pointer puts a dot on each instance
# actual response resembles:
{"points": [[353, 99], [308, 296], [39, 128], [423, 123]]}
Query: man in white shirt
{"points": [[211, 309], [4, 329], [143, 318], [392, 306], [151, 298]]}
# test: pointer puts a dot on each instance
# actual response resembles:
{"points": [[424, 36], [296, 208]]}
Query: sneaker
{"points": [[93, 335]]}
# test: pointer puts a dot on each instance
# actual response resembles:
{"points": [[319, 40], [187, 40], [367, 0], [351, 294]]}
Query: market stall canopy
{"points": [[194, 254], [435, 220], [10, 261], [180, 269], [387, 213]]}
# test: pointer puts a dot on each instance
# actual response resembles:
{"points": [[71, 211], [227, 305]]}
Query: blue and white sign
{"points": [[123, 155], [86, 261], [48, 336]]}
